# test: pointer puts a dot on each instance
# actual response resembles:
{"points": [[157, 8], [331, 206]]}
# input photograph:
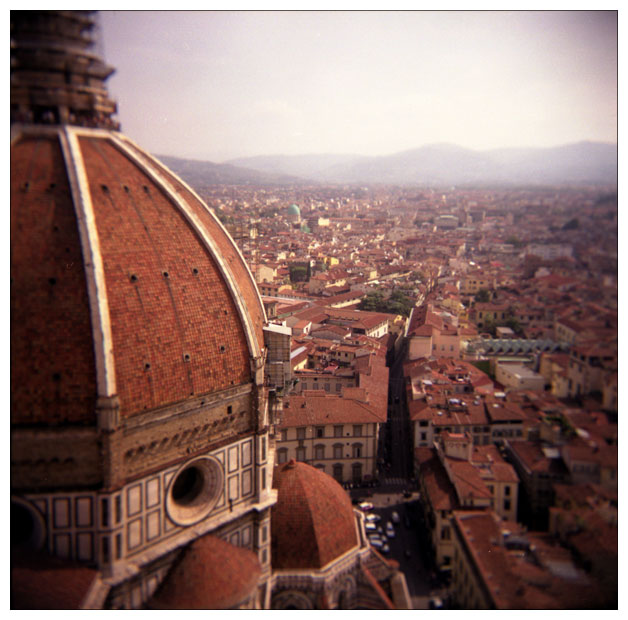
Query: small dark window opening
{"points": [[52, 281], [133, 278], [105, 549], [104, 188], [104, 512], [229, 409]]}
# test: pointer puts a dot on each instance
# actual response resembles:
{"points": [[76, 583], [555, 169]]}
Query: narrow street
{"points": [[397, 493], [397, 436]]}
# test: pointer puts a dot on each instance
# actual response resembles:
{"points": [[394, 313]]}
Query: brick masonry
{"points": [[53, 377]]}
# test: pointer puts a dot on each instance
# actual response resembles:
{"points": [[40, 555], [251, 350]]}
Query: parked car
{"points": [[370, 527], [390, 530], [377, 543], [435, 603], [365, 506], [385, 548], [395, 517], [371, 517]]}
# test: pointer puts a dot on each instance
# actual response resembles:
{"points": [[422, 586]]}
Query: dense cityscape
{"points": [[290, 395], [503, 367]]}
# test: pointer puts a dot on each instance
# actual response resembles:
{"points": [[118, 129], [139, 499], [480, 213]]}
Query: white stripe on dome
{"points": [[92, 259], [149, 166]]}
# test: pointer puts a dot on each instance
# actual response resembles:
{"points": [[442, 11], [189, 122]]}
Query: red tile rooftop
{"points": [[40, 581], [313, 520], [209, 574]]}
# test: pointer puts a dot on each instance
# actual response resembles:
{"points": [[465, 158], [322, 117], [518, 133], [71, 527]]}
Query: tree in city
{"points": [[397, 303], [483, 296]]}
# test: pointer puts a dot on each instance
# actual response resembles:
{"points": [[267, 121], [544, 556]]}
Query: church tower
{"points": [[141, 413]]}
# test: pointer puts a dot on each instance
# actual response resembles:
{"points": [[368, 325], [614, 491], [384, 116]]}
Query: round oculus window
{"points": [[194, 490], [28, 529]]}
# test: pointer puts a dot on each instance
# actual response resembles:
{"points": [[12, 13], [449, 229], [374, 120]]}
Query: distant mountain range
{"points": [[583, 163]]}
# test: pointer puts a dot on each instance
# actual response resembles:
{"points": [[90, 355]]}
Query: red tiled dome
{"points": [[103, 301], [313, 521], [40, 581], [211, 574]]}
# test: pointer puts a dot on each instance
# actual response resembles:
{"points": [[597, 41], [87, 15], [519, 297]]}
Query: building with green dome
{"points": [[294, 213]]}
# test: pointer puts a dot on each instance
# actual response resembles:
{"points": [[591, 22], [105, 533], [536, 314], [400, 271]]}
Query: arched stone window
{"points": [[338, 472], [356, 471], [291, 599], [357, 450]]}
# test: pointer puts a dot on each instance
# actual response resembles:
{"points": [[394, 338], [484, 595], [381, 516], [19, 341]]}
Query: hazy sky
{"points": [[221, 84]]}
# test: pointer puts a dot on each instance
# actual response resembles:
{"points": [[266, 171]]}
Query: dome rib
{"points": [[92, 260]]}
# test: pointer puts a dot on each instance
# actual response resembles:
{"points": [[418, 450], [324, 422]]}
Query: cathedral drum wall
{"points": [[154, 514]]}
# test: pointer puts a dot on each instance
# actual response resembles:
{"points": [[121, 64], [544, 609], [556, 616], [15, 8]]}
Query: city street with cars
{"points": [[392, 509]]}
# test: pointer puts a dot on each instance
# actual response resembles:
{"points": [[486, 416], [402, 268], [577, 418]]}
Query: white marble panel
{"points": [[134, 534], [83, 511], [152, 525], [152, 492], [233, 459], [61, 512], [84, 546], [134, 500]]}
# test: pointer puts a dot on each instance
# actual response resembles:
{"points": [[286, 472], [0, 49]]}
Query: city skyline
{"points": [[219, 85]]}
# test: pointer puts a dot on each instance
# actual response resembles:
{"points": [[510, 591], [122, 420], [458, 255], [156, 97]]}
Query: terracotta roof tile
{"points": [[53, 375], [40, 581], [209, 574]]}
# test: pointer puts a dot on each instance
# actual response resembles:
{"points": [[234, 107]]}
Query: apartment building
{"points": [[498, 565], [473, 282], [455, 475], [337, 431]]}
